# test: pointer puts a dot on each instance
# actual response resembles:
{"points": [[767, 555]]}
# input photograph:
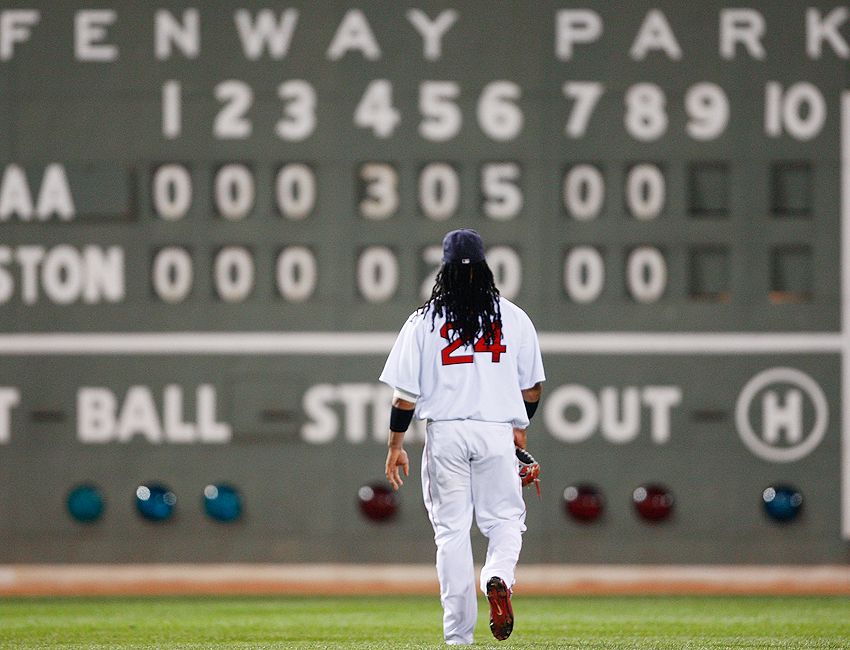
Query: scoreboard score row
{"points": [[438, 191]]}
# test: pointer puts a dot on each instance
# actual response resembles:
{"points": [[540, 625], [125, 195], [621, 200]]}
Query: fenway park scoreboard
{"points": [[213, 221]]}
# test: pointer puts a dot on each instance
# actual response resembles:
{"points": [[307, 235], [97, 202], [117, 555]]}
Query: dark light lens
{"points": [[155, 502], [85, 503], [782, 502], [222, 502]]}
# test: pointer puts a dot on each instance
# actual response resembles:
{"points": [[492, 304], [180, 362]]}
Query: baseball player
{"points": [[467, 361]]}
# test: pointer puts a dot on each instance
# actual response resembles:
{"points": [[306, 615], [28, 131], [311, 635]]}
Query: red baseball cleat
{"points": [[501, 613]]}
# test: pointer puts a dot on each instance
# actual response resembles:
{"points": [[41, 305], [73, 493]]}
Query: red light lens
{"points": [[653, 502], [377, 502], [583, 502]]}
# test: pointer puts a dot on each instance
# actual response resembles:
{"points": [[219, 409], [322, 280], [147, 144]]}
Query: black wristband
{"points": [[531, 408], [400, 419]]}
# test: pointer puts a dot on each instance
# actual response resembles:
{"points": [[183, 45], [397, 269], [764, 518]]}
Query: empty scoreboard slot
{"points": [[708, 274], [103, 192], [709, 415], [47, 416], [269, 408], [791, 274], [791, 189], [278, 415], [708, 189]]}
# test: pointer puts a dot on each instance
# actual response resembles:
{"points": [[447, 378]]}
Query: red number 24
{"points": [[495, 349]]}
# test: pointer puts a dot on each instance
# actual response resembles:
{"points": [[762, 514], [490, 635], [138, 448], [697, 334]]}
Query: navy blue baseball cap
{"points": [[463, 246]]}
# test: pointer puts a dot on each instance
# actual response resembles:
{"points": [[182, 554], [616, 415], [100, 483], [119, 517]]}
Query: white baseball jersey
{"points": [[473, 382]]}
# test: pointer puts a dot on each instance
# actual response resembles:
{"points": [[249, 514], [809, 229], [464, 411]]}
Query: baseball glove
{"points": [[529, 469]]}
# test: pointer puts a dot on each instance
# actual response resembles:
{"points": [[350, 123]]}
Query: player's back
{"points": [[480, 381]]}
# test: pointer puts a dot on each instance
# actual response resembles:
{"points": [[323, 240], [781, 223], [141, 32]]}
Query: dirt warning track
{"points": [[343, 579]]}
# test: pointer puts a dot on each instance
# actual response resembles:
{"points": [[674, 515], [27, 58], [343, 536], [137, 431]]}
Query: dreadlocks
{"points": [[467, 295]]}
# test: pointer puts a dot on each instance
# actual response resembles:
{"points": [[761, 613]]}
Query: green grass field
{"points": [[643, 623]]}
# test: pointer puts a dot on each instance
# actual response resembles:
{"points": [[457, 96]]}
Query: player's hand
{"points": [[396, 457], [520, 437]]}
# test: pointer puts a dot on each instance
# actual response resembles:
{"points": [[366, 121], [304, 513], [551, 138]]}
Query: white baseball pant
{"points": [[471, 466]]}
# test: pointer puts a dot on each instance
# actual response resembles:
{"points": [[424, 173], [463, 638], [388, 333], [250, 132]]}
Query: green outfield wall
{"points": [[214, 217]]}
